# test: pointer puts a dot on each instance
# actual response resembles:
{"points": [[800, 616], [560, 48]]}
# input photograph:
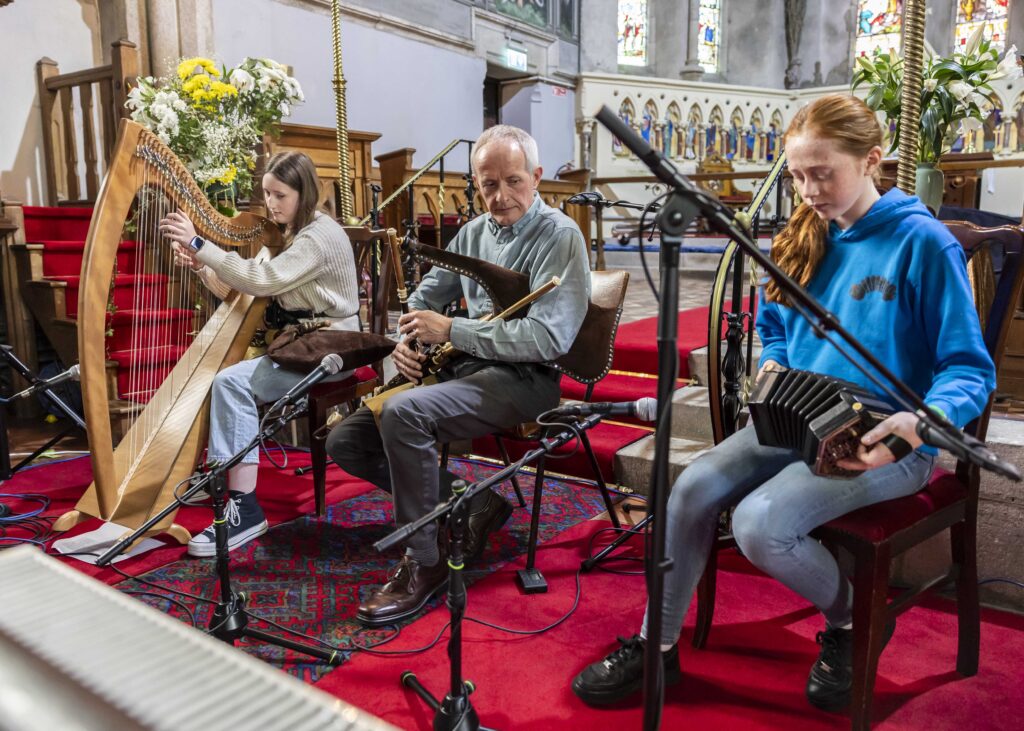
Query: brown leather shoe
{"points": [[484, 519], [410, 585]]}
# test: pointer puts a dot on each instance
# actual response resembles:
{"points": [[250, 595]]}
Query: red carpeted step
{"points": [[64, 258], [132, 329], [607, 438], [130, 291], [140, 372], [636, 343], [56, 223]]}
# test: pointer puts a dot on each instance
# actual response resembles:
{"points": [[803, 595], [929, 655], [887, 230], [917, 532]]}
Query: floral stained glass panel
{"points": [[879, 24], [633, 32], [971, 14], [709, 34]]}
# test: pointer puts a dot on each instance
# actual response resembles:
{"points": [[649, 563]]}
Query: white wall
{"points": [[414, 93], [67, 32], [548, 112]]}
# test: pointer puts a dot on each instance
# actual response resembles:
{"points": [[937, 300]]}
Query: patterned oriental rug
{"points": [[310, 575]]}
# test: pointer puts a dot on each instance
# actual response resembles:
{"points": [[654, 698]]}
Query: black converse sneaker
{"points": [[621, 673], [245, 521], [831, 679]]}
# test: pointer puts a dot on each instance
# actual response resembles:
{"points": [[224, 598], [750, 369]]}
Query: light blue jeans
{"points": [[234, 399], [780, 501]]}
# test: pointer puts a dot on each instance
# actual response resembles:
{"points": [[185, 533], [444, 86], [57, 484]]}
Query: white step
{"points": [[633, 462]]}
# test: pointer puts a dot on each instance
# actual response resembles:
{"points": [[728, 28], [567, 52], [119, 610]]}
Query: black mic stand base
{"points": [[455, 712], [229, 621], [532, 581]]}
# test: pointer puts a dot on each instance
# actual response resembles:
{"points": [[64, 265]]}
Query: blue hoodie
{"points": [[897, 280]]}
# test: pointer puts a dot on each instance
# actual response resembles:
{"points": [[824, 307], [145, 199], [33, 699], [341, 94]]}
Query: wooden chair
{"points": [[366, 244], [877, 534], [607, 290]]}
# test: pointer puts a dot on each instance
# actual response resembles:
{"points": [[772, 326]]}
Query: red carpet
{"points": [[283, 496], [751, 676], [636, 343]]}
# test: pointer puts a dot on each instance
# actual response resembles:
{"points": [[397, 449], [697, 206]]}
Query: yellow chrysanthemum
{"points": [[190, 66], [228, 177], [220, 89]]}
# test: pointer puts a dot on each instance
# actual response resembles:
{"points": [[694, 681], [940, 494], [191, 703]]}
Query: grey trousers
{"points": [[401, 456]]}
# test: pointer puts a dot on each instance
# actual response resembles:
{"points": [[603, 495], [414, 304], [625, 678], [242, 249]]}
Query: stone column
{"points": [[598, 31], [692, 70], [669, 24], [586, 127], [1015, 26]]}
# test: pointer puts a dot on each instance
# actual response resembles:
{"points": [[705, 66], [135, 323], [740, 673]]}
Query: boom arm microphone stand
{"points": [[229, 621], [6, 471], [689, 200], [456, 712]]}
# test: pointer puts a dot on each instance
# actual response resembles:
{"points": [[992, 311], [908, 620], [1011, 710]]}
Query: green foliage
{"points": [[955, 92]]}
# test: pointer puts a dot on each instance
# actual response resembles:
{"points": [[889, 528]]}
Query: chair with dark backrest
{"points": [[367, 244], [607, 291], [877, 534]]}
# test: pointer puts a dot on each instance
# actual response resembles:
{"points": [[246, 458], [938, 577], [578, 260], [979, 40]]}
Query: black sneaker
{"points": [[831, 679], [245, 521], [622, 673]]}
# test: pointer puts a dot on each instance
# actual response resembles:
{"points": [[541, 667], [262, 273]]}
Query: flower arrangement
{"points": [[213, 119], [954, 95]]}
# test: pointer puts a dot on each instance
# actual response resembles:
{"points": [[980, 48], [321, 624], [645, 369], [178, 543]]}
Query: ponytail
{"points": [[798, 249]]}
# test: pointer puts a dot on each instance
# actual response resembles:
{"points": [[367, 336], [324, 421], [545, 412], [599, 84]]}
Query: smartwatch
{"points": [[196, 243]]}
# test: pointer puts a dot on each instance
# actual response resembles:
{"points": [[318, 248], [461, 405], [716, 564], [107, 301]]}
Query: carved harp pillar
{"points": [[158, 326]]}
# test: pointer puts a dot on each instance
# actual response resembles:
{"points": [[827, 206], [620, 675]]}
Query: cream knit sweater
{"points": [[316, 271]]}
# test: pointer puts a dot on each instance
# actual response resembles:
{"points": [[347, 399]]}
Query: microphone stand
{"points": [[229, 621], [455, 712], [6, 471], [688, 201], [599, 203]]}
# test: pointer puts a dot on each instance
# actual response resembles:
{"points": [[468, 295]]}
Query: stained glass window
{"points": [[971, 14], [534, 12], [633, 32], [709, 34], [879, 23]]}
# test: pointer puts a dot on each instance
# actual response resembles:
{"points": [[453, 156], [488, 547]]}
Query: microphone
{"points": [[71, 373], [645, 409], [331, 364], [588, 198], [964, 446]]}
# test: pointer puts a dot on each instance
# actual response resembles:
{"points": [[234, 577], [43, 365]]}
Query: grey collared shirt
{"points": [[543, 243]]}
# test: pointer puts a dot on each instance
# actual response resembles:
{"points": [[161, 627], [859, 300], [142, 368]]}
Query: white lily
{"points": [[960, 89], [242, 80], [930, 84], [975, 40], [1009, 67], [969, 125]]}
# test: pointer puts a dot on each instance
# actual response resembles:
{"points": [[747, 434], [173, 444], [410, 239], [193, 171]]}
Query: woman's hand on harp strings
{"points": [[871, 453], [409, 362], [185, 257], [426, 326], [180, 230]]}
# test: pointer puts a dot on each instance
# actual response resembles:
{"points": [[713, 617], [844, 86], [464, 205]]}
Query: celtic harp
{"points": [[157, 327]]}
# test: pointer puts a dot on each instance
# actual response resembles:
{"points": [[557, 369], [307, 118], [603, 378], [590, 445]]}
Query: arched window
{"points": [[971, 14], [709, 34], [879, 23], [633, 32]]}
